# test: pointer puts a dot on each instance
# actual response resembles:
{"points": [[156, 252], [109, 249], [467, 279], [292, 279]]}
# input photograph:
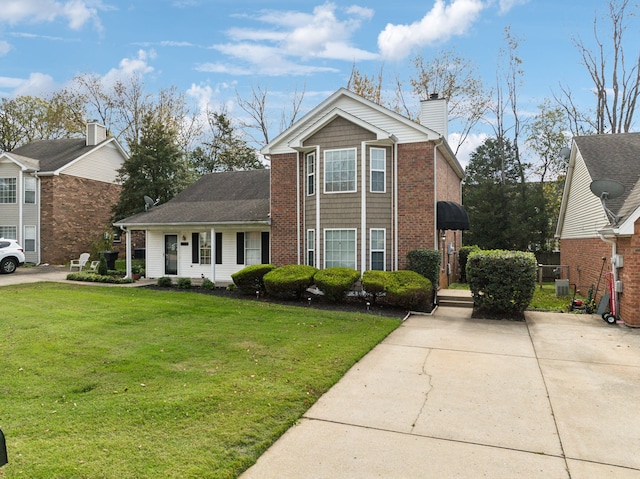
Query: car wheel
{"points": [[8, 265]]}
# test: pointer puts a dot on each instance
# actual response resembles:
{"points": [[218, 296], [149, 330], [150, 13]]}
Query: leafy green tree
{"points": [[225, 150], [155, 168]]}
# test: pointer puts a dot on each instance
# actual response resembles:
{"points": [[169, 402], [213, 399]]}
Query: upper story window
{"points": [[7, 190], [340, 171], [311, 174], [29, 190], [378, 170]]}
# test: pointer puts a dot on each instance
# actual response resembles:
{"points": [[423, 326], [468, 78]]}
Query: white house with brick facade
{"points": [[356, 184], [56, 195], [351, 184], [588, 234]]}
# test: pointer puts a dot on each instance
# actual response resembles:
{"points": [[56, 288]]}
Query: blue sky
{"points": [[211, 49]]}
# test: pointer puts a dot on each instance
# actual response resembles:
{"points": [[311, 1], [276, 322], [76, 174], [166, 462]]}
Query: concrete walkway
{"points": [[447, 396]]}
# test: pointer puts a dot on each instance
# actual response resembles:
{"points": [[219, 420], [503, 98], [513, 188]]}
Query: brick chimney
{"points": [[96, 133], [434, 114]]}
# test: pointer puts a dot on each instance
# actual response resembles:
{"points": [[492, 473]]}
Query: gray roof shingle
{"points": [[615, 157], [223, 197], [54, 154]]}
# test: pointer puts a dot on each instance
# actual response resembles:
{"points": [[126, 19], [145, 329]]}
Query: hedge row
{"points": [[406, 289]]}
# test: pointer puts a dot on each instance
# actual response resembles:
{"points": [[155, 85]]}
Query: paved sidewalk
{"points": [[447, 396]]}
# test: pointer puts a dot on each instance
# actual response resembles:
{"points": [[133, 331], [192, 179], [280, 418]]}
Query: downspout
{"points": [[38, 217], [395, 207], [614, 268], [20, 200], [298, 205], [436, 240], [316, 235], [363, 207]]}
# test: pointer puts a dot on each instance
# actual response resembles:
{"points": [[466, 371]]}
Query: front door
{"points": [[171, 254]]}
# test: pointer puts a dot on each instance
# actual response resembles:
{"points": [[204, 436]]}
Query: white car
{"points": [[11, 255]]}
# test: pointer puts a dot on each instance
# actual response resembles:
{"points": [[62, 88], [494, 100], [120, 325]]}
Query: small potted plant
{"points": [[137, 271]]}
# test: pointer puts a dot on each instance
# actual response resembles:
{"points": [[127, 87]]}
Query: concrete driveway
{"points": [[447, 396], [34, 274]]}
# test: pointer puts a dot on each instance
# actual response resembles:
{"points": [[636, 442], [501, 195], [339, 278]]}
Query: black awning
{"points": [[451, 216]]}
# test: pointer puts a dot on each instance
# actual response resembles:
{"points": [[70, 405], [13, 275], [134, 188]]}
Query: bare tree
{"points": [[257, 108], [616, 81], [369, 87], [455, 79]]}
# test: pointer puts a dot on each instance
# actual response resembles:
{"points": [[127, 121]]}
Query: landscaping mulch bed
{"points": [[317, 301]]}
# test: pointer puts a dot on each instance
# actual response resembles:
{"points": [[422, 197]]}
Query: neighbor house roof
{"points": [[614, 157], [52, 155], [216, 198]]}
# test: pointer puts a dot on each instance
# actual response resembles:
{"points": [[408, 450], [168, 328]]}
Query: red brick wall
{"points": [[584, 258], [629, 274], [284, 237], [416, 219], [75, 212]]}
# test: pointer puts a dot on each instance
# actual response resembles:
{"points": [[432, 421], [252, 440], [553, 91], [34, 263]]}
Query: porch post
{"points": [[128, 253]]}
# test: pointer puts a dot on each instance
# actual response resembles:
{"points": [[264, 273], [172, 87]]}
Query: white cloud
{"points": [[473, 141], [295, 37], [36, 84], [5, 47], [506, 5], [437, 26], [76, 12], [128, 67]]}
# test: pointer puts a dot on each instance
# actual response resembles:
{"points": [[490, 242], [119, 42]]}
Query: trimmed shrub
{"points": [[250, 279], [336, 282], [184, 283], [207, 284], [97, 278], [374, 283], [425, 262], [102, 266], [463, 255], [289, 281], [165, 282], [502, 281], [409, 290]]}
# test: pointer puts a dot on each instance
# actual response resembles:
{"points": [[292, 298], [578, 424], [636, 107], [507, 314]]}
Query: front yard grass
{"points": [[126, 382]]}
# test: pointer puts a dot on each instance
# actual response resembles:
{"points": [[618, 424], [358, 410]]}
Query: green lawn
{"points": [[102, 382]]}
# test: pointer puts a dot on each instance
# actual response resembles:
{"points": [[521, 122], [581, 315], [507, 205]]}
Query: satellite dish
{"points": [[607, 190], [149, 203], [565, 152]]}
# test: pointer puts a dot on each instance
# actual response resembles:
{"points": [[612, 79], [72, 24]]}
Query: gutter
{"points": [[614, 267]]}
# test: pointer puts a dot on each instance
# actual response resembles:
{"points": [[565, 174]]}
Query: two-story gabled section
{"points": [[355, 184], [56, 196]]}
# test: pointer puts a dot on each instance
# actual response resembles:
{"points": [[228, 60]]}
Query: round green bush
{"points": [[165, 282], [250, 279], [289, 282], [336, 282]]}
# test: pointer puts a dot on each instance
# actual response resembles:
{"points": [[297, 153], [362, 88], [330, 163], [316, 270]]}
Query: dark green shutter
{"points": [[265, 248], [218, 248], [195, 248], [240, 248]]}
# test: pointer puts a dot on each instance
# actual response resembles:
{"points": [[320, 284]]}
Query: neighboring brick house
{"points": [[320, 203], [56, 196], [356, 184], [588, 234]]}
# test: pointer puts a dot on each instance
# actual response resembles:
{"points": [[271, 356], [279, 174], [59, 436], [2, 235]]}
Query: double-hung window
{"points": [[311, 247], [340, 171], [377, 249], [201, 247], [340, 248], [7, 190], [311, 174], [9, 232], [29, 190], [29, 239], [378, 170]]}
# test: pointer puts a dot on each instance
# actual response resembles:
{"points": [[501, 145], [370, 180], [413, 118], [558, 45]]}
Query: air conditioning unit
{"points": [[562, 287]]}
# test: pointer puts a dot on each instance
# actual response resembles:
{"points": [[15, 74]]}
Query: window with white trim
{"points": [[9, 232], [30, 190], [377, 248], [311, 174], [252, 252], [8, 190], [29, 239], [311, 247], [340, 171], [205, 247], [378, 164], [340, 248]]}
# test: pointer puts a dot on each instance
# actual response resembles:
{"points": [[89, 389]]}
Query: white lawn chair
{"points": [[80, 262]]}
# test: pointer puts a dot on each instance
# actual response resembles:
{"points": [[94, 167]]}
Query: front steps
{"points": [[455, 298]]}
